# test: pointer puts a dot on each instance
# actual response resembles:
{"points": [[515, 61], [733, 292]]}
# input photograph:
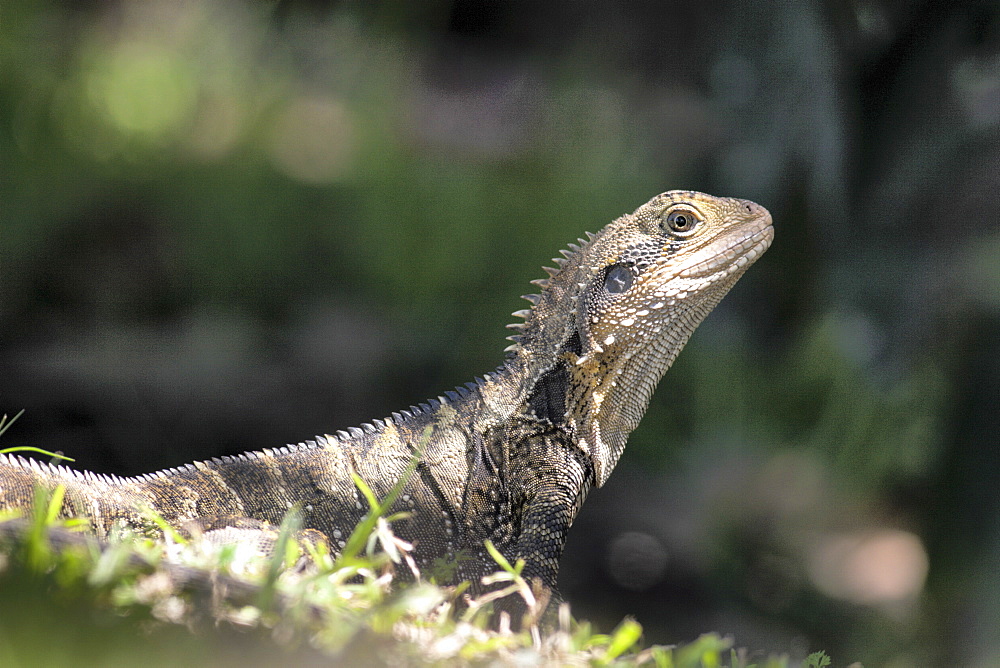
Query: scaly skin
{"points": [[509, 457]]}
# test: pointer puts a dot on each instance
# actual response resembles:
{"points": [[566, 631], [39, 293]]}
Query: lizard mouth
{"points": [[735, 250]]}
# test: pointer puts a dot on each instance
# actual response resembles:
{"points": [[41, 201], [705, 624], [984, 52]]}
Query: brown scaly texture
{"points": [[509, 457]]}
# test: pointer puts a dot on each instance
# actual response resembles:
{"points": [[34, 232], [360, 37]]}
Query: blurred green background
{"points": [[225, 226]]}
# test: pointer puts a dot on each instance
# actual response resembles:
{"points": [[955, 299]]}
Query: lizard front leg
{"points": [[550, 502]]}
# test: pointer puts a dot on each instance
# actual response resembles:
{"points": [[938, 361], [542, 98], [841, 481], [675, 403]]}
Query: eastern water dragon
{"points": [[509, 457]]}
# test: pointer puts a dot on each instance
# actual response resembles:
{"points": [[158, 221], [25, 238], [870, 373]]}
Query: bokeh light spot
{"points": [[312, 139], [143, 91], [880, 568], [636, 560]]}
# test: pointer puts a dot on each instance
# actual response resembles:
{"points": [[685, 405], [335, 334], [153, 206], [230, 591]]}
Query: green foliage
{"points": [[127, 601], [817, 660]]}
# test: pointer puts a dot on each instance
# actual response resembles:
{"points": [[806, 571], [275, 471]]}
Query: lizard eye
{"points": [[618, 279], [682, 221]]}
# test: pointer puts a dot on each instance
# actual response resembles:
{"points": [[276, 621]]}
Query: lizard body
{"points": [[509, 457]]}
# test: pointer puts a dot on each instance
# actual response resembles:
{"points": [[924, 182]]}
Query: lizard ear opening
{"points": [[611, 284], [617, 279]]}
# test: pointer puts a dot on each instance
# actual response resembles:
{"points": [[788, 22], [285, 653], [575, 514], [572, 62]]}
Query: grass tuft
{"points": [[131, 594]]}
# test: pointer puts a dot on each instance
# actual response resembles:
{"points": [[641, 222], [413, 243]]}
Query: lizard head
{"points": [[616, 312]]}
